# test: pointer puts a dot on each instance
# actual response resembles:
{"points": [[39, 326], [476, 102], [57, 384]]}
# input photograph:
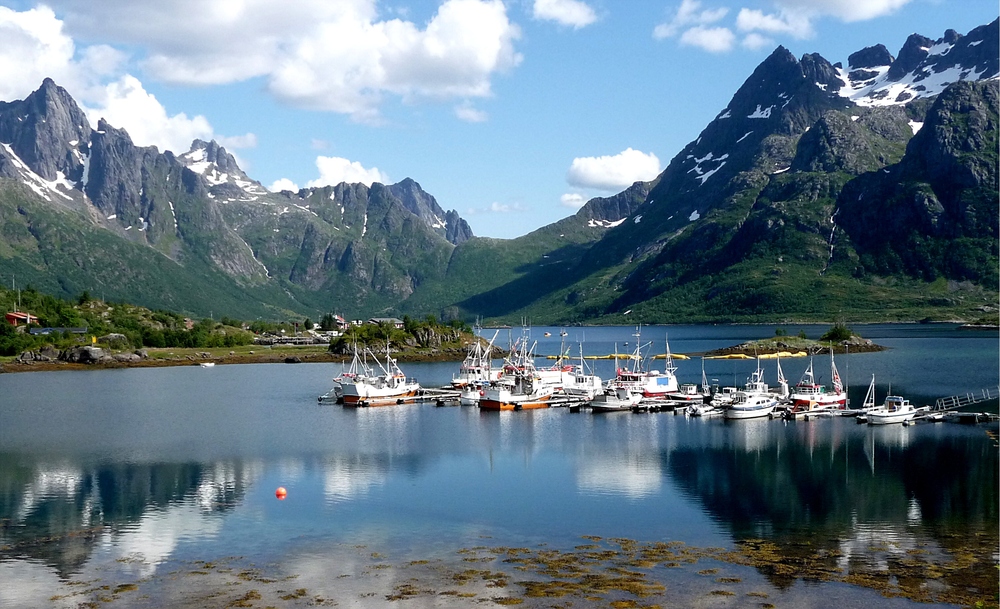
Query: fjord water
{"points": [[121, 475]]}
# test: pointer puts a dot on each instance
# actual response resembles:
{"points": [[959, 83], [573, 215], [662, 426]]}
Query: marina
{"points": [[165, 482]]}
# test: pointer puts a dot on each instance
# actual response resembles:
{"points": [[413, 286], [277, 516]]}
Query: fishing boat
{"points": [[582, 383], [350, 373], [520, 386], [635, 378], [477, 367], [618, 400], [808, 396], [754, 400], [207, 364], [387, 386]]}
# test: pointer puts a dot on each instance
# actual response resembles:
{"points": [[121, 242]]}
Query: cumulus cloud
{"points": [[613, 172], [333, 56], [35, 47], [713, 40], [572, 200], [795, 23], [334, 170], [125, 104], [572, 13], [793, 18], [688, 14], [283, 184], [845, 10]]}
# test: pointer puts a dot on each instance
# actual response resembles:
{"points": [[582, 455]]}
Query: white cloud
{"points": [[572, 200], [795, 23], [469, 114], [334, 56], [125, 104], [755, 41], [845, 10], [35, 47], [334, 170], [613, 172], [713, 40], [283, 184], [565, 12], [689, 13]]}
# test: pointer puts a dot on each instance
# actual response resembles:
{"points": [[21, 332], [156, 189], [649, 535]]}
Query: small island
{"points": [[840, 338]]}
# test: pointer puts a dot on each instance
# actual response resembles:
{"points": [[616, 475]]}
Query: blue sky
{"points": [[512, 112]]}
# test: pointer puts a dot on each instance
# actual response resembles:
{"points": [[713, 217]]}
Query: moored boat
{"points": [[617, 400], [635, 378], [477, 367], [808, 396], [895, 409], [754, 400], [581, 384], [387, 387], [520, 387]]}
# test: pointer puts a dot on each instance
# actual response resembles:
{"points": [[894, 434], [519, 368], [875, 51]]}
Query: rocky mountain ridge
{"points": [[755, 208]]}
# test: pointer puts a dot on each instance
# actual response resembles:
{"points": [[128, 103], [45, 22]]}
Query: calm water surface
{"points": [[120, 477]]}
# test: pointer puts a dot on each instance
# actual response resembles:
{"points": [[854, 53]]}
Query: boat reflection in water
{"points": [[147, 472]]}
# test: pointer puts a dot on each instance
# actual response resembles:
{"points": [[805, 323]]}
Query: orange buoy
{"points": [[281, 493]]}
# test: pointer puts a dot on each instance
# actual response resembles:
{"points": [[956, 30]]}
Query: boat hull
{"points": [[497, 404], [363, 395]]}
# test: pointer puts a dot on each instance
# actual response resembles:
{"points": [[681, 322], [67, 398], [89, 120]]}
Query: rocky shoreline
{"points": [[96, 358]]}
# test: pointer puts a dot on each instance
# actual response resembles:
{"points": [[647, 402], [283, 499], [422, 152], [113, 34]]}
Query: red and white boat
{"points": [[809, 396], [521, 386], [650, 384]]}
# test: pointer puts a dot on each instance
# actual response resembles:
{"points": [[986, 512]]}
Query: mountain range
{"points": [[867, 192]]}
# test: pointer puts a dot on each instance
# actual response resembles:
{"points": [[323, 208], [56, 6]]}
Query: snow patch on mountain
{"points": [[37, 183], [761, 113], [603, 223]]}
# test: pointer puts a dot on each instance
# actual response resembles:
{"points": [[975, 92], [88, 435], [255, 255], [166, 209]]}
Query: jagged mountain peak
{"points": [[923, 67], [47, 132], [221, 172], [869, 57], [414, 198]]}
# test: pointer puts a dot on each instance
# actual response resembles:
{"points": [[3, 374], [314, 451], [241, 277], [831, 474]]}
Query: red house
{"points": [[18, 318]]}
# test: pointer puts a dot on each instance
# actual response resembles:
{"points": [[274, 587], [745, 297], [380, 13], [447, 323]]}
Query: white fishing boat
{"points": [[388, 386], [895, 409], [207, 364], [357, 367], [754, 400], [635, 378], [582, 383], [618, 400], [520, 386], [477, 367]]}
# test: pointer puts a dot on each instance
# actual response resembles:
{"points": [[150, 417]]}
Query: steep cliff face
{"points": [[48, 132], [935, 212]]}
